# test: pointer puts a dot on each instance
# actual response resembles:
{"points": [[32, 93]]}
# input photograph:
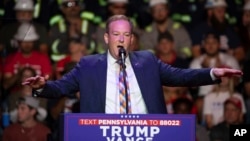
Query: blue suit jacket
{"points": [[90, 75]]}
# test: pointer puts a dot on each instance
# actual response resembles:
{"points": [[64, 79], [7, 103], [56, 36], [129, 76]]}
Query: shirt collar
{"points": [[112, 60]]}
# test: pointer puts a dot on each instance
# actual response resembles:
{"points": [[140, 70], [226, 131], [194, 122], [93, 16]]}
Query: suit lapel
{"points": [[139, 74], [102, 78]]}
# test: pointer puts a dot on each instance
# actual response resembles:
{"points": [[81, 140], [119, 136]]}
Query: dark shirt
{"points": [[202, 29], [220, 132]]}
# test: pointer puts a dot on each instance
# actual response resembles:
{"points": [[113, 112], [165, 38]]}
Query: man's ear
{"points": [[106, 38], [33, 111], [132, 38]]}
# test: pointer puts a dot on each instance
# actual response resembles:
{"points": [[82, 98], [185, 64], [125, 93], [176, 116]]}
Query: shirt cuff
{"points": [[212, 75], [36, 93]]}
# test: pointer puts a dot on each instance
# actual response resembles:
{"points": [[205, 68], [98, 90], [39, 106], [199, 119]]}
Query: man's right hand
{"points": [[37, 82]]}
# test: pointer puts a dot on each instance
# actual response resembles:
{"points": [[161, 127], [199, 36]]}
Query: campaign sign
{"points": [[130, 127]]}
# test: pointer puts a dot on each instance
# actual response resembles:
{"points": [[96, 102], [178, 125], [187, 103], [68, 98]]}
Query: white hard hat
{"points": [[24, 5], [26, 32], [154, 2], [115, 1], [215, 3], [247, 6]]}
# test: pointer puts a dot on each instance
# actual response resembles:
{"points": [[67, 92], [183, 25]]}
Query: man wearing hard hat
{"points": [[41, 11], [161, 23], [73, 23], [24, 13], [25, 57], [216, 22]]}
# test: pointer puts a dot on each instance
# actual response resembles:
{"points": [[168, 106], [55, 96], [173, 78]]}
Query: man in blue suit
{"points": [[96, 76]]}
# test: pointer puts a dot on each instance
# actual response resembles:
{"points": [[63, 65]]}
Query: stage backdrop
{"points": [[116, 127]]}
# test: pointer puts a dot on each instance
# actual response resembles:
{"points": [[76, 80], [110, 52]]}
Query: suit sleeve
{"points": [[171, 76], [68, 85]]}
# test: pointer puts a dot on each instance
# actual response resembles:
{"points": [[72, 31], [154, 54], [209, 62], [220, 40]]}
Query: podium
{"points": [[131, 127]]}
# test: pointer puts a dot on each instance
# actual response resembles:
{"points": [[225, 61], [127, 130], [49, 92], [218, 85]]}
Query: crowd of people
{"points": [[49, 37]]}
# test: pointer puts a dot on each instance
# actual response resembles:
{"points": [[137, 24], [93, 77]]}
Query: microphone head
{"points": [[121, 51]]}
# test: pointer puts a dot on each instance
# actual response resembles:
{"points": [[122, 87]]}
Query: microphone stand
{"points": [[123, 69], [122, 54]]}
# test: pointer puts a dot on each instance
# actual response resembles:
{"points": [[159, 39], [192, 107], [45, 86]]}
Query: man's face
{"points": [[219, 13], [165, 47], [211, 45], [118, 8], [77, 47], [232, 114], [182, 109], [24, 113], [26, 46], [119, 34], [160, 12], [26, 74], [24, 16], [71, 8]]}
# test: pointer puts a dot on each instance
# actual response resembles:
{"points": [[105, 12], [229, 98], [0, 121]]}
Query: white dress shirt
{"points": [[112, 90]]}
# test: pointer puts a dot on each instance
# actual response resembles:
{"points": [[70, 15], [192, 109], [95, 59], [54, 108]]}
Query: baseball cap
{"points": [[32, 102], [155, 2], [235, 101]]}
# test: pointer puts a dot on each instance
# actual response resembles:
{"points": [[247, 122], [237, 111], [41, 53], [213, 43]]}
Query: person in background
{"points": [[26, 57], [135, 45], [173, 93], [189, 13], [41, 11], [24, 13], [213, 102], [244, 33], [63, 104], [232, 116], [160, 11], [70, 24], [184, 106], [28, 128], [77, 49], [165, 51], [22, 90], [217, 23], [212, 57]]}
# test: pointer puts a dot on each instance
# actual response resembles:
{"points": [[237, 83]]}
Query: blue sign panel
{"points": [[116, 127]]}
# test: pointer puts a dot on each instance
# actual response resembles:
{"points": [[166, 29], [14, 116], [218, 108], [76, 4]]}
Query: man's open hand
{"points": [[226, 72], [36, 82]]}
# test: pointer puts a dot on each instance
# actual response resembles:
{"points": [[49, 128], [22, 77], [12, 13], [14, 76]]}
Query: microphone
{"points": [[122, 55]]}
